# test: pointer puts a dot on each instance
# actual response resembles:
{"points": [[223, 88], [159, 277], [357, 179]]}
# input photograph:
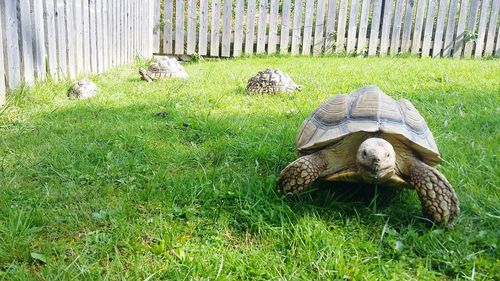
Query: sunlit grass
{"points": [[108, 189]]}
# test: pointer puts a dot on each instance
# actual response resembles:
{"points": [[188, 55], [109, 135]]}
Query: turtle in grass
{"points": [[82, 89], [272, 81], [164, 67], [369, 137]]}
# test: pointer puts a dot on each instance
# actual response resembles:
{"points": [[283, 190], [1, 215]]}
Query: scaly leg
{"points": [[301, 172]]}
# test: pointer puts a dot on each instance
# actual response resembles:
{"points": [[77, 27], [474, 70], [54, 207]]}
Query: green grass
{"points": [[105, 189]]}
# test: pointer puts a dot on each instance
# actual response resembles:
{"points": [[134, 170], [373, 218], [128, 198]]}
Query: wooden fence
{"points": [[66, 38], [437, 28]]}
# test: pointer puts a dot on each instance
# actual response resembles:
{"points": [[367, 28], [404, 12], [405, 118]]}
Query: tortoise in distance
{"points": [[272, 81], [163, 68], [369, 137], [82, 89]]}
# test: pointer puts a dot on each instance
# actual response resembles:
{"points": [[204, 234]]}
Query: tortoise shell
{"points": [[272, 81], [82, 89], [367, 110], [166, 68]]}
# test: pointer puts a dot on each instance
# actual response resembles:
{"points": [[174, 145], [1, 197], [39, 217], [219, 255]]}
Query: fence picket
{"points": [[86, 38], [491, 28], [471, 27], [481, 30], [99, 30], [497, 46], [318, 29], [351, 33], [38, 41], [377, 10], [417, 31], [61, 39], [396, 27], [156, 26], [330, 26], [26, 42], [249, 34], [167, 29], [386, 28], [429, 21], [363, 27], [297, 27], [459, 39], [285, 26], [405, 40], [261, 29], [238, 27], [450, 29], [191, 35], [226, 28], [308, 22], [438, 35], [214, 30], [3, 88], [12, 44], [339, 47], [179, 26], [273, 27], [79, 37], [203, 36]]}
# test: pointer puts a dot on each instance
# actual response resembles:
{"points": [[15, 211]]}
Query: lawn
{"points": [[108, 189]]}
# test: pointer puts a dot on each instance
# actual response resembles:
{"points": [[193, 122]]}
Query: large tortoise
{"points": [[164, 67], [369, 137], [82, 89], [272, 81]]}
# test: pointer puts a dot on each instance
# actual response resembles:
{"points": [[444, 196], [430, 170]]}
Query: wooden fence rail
{"points": [[437, 28], [67, 38]]}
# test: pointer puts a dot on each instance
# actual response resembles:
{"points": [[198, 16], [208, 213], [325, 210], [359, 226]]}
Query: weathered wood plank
{"points": [[191, 35], [353, 24], [99, 30], [285, 26], [261, 29], [26, 42], [214, 30], [250, 31], [319, 39], [226, 28], [61, 38], [438, 36], [308, 24], [86, 37], [396, 27], [363, 27], [203, 36], [386, 28], [156, 24], [79, 37], [375, 27], [71, 37], [490, 39], [459, 39], [3, 63], [471, 27], [297, 27], [497, 46], [238, 27], [481, 30], [179, 26], [273, 27], [429, 22], [417, 31], [341, 27], [450, 29], [38, 41], [405, 40], [330, 25], [167, 29]]}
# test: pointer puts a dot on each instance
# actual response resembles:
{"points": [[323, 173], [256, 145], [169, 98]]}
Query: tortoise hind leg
{"points": [[299, 174], [145, 75], [439, 201]]}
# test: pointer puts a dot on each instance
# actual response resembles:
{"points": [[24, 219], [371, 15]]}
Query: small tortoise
{"points": [[82, 89], [271, 81], [369, 137], [163, 68]]}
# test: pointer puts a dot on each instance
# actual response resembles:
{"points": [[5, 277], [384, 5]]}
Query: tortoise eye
{"points": [[364, 153], [387, 156]]}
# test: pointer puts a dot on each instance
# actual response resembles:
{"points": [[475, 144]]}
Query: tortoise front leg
{"points": [[439, 201], [302, 172], [144, 75]]}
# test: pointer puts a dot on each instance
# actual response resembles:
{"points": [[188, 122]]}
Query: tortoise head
{"points": [[298, 87], [376, 160]]}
